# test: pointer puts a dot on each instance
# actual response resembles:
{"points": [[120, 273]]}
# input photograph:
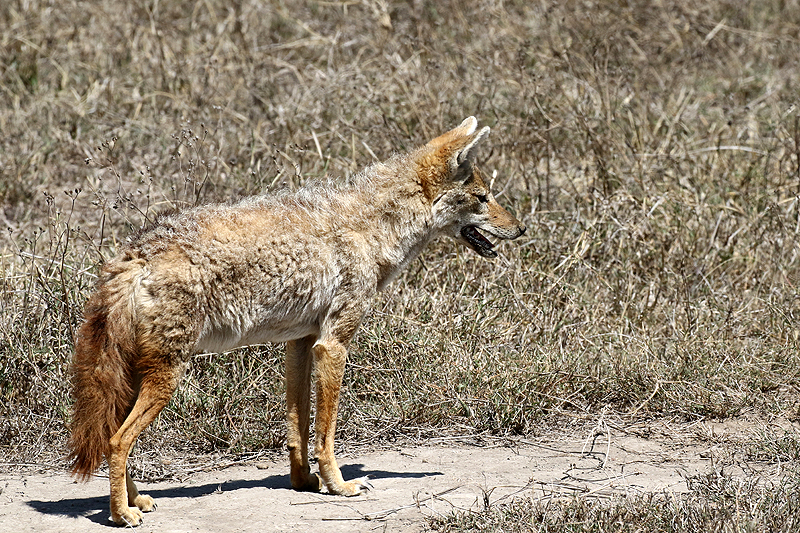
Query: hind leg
{"points": [[154, 393]]}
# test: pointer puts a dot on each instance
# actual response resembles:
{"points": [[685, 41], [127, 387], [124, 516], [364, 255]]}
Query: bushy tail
{"points": [[103, 380]]}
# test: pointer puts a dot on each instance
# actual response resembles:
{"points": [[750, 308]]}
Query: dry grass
{"points": [[750, 486], [653, 150], [716, 504]]}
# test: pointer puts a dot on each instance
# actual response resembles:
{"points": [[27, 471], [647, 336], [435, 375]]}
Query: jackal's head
{"points": [[463, 206]]}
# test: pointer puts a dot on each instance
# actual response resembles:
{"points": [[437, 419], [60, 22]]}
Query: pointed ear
{"points": [[460, 153], [467, 127], [465, 154], [448, 158]]}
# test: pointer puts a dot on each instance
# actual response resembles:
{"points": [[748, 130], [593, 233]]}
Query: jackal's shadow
{"points": [[95, 508]]}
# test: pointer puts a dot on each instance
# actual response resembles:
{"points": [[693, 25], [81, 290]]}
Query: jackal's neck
{"points": [[400, 221], [402, 239]]}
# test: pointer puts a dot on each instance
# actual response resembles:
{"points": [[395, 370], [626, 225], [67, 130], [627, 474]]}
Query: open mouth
{"points": [[478, 242]]}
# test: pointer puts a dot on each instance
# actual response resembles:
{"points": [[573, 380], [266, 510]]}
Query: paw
{"points": [[355, 487], [127, 517], [311, 483], [145, 503]]}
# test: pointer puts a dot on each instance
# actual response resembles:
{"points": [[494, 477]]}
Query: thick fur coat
{"points": [[300, 268]]}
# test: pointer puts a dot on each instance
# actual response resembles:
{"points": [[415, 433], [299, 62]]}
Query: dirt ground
{"points": [[410, 483]]}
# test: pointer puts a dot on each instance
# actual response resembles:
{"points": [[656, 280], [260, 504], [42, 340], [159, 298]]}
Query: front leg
{"points": [[330, 356], [298, 406]]}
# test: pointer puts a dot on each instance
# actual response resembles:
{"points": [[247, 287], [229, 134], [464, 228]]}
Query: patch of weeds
{"points": [[715, 504]]}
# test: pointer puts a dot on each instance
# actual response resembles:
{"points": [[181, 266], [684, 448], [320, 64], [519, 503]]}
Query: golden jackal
{"points": [[299, 268]]}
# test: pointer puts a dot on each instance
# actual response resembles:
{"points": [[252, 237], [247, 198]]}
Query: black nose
{"points": [[522, 230]]}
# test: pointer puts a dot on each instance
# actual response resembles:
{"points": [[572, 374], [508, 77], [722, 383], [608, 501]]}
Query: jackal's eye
{"points": [[482, 198]]}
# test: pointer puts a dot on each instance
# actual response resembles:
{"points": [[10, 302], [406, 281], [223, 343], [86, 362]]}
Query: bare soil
{"points": [[410, 483]]}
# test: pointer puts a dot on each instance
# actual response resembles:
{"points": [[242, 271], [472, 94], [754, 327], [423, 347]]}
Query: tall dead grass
{"points": [[652, 149]]}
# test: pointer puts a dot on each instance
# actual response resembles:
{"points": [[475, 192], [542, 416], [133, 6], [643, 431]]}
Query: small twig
{"points": [[378, 515], [652, 394]]}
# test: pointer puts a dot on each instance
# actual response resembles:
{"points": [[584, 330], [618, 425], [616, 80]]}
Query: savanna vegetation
{"points": [[652, 148]]}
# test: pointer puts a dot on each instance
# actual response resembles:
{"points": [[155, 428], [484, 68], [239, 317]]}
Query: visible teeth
{"points": [[476, 239], [475, 236]]}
